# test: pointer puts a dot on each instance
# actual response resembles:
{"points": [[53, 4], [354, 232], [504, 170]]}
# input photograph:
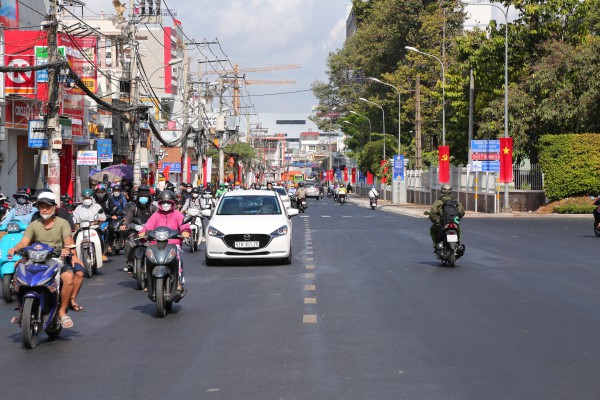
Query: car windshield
{"points": [[281, 191], [248, 205]]}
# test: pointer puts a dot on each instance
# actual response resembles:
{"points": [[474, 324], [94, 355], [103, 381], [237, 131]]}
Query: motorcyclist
{"points": [[221, 191], [116, 208], [60, 211], [373, 193], [55, 232], [193, 201], [185, 194], [167, 215], [101, 197], [435, 214], [300, 194], [89, 210], [597, 212], [142, 208], [23, 210]]}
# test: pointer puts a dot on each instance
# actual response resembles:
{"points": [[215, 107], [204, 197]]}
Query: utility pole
{"points": [[186, 125], [51, 118], [134, 128]]}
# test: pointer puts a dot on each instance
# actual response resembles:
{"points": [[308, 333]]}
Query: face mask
{"points": [[189, 190], [100, 196], [87, 202], [143, 200], [166, 207], [116, 194], [47, 217], [21, 200], [195, 195]]}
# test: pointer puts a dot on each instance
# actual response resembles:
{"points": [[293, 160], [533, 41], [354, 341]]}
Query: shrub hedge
{"points": [[571, 164], [574, 209]]}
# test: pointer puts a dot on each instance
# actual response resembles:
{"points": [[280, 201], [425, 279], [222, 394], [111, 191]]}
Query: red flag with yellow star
{"points": [[444, 167], [506, 163]]}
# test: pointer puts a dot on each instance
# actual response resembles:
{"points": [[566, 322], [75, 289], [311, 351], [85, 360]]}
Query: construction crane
{"points": [[255, 69]]}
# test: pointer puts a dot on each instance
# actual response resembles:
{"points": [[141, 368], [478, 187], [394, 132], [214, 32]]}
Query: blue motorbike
{"points": [[14, 234], [38, 290]]}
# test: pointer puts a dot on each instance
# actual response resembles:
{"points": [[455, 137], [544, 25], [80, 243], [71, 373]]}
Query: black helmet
{"points": [[23, 192], [195, 191], [188, 185], [116, 187], [144, 190], [301, 184], [446, 188], [169, 186], [166, 195]]}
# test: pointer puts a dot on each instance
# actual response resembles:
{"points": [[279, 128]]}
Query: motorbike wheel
{"points": [[372, 207], [8, 288], [596, 230], [451, 260], [193, 240], [88, 264], [29, 325], [139, 274], [161, 304]]}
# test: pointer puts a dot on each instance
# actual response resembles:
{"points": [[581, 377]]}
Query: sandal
{"points": [[75, 307], [66, 322]]}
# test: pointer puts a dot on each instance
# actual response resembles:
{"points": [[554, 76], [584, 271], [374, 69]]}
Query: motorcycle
{"points": [[4, 206], [341, 198], [449, 249], [301, 205], [38, 290], [14, 234], [162, 259], [373, 202], [118, 235], [89, 248], [138, 247], [207, 202], [197, 229]]}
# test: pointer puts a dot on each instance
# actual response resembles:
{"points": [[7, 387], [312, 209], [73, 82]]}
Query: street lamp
{"points": [[443, 89], [383, 119], [505, 13], [360, 115], [173, 61], [399, 106]]}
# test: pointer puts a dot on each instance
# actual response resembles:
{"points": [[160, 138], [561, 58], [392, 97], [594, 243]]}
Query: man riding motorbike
{"points": [[221, 191], [116, 210], [185, 195], [142, 209], [55, 232], [435, 214], [167, 215], [23, 209], [89, 210], [300, 194]]}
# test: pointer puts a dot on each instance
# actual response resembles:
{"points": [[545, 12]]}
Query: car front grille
{"points": [[263, 240]]}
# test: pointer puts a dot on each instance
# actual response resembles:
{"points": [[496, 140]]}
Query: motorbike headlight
{"points": [[212, 231], [150, 256], [281, 231]]}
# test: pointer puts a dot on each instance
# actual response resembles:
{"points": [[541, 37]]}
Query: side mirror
{"points": [[187, 219], [292, 212], [101, 211], [425, 212], [206, 213]]}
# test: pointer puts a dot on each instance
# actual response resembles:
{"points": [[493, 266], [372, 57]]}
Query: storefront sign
{"points": [[37, 134], [87, 157], [19, 113]]}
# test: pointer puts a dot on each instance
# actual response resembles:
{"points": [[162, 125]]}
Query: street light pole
{"points": [[399, 107], [505, 13], [370, 130], [443, 89], [383, 119]]}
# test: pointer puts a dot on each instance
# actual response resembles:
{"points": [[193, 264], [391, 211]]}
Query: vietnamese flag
{"points": [[369, 178], [353, 175], [385, 170], [444, 167], [345, 174], [506, 163], [166, 170]]}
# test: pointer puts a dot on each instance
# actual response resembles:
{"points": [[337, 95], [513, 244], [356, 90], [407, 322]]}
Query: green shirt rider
{"points": [[435, 214]]}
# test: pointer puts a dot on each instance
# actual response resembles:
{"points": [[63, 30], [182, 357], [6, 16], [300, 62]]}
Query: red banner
{"points": [[506, 165], [330, 175], [345, 174], [369, 178], [385, 170], [444, 167], [353, 175]]}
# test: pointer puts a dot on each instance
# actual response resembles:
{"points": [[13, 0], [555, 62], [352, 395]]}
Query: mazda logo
{"points": [[246, 237]]}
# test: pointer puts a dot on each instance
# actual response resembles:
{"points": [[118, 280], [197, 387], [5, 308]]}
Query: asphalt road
{"points": [[364, 312]]}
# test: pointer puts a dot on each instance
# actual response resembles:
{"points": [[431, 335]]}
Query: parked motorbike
{"points": [[89, 247], [197, 229], [162, 259], [14, 234], [373, 202], [38, 291], [449, 249], [138, 247]]}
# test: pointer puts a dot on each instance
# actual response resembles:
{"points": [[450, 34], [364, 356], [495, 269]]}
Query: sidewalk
{"points": [[417, 210]]}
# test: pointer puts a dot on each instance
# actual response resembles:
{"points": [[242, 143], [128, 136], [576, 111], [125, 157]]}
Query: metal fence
{"points": [[528, 177]]}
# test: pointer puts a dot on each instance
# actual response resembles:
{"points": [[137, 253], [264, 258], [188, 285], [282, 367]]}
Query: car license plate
{"points": [[452, 238], [247, 245]]}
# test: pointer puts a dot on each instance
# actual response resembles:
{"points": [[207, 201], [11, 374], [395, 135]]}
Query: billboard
{"points": [[9, 13]]}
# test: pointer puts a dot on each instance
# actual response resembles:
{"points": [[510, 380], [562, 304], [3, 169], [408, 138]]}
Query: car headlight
{"points": [[281, 231], [212, 231]]}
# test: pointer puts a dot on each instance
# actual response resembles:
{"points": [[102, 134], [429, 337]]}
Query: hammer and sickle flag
{"points": [[444, 167], [506, 162]]}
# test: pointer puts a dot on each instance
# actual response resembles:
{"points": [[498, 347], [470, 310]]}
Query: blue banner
{"points": [[175, 167], [37, 135], [399, 167], [485, 146], [104, 147]]}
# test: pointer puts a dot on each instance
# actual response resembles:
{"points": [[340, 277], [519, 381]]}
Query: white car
{"points": [[249, 224], [283, 194]]}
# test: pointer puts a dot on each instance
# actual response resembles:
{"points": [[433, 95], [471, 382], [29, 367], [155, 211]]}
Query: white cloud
{"points": [[336, 35]]}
